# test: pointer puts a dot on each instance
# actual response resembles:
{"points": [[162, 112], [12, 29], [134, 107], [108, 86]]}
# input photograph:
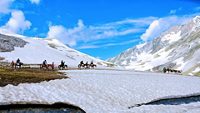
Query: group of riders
{"points": [[61, 66], [168, 70], [86, 65]]}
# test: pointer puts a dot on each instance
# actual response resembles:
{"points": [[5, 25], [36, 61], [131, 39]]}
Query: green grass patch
{"points": [[17, 76]]}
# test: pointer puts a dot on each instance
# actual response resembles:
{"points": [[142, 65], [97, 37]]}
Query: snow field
{"points": [[107, 91]]}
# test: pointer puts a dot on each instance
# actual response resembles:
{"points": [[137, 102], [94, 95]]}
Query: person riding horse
{"points": [[44, 63], [18, 63], [81, 64], [86, 65], [92, 65], [91, 62], [62, 65]]}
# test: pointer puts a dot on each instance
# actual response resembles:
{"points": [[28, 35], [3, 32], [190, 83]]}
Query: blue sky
{"points": [[101, 28]]}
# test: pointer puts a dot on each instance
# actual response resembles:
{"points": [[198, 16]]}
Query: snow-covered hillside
{"points": [[110, 91], [178, 48], [35, 50]]}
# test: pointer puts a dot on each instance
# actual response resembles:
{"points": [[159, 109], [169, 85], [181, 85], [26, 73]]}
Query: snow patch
{"points": [[196, 70], [141, 45], [172, 37]]}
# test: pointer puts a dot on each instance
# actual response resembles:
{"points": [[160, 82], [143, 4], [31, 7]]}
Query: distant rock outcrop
{"points": [[8, 43]]}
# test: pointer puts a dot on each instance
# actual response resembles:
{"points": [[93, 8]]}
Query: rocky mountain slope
{"points": [[177, 48], [35, 50], [7, 43]]}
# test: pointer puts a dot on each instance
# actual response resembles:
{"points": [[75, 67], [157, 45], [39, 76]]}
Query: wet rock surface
{"points": [[40, 108]]}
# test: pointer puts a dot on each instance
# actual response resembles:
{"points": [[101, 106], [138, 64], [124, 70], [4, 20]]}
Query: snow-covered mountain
{"points": [[178, 48], [35, 50]]}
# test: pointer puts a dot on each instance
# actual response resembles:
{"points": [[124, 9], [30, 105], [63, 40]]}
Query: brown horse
{"points": [[16, 65], [12, 64], [47, 66]]}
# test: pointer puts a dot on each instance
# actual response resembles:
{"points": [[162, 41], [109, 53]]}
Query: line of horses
{"points": [[41, 66], [168, 70], [62, 66], [86, 66]]}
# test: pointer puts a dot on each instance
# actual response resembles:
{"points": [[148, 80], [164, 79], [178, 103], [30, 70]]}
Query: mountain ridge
{"points": [[177, 48]]}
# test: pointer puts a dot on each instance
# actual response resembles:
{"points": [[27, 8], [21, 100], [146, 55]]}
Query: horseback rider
{"points": [[44, 63], [62, 63], [164, 70], [86, 63], [18, 61], [81, 63], [92, 62]]}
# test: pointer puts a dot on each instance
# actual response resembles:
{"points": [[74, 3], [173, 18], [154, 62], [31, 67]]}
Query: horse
{"points": [[81, 65], [168, 70], [47, 66], [16, 65], [92, 65], [62, 67], [87, 66], [12, 64]]}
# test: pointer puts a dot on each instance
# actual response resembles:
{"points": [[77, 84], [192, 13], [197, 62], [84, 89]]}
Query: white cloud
{"points": [[60, 33], [68, 36], [154, 26], [17, 23], [98, 32], [35, 2], [108, 44], [5, 6], [162, 24]]}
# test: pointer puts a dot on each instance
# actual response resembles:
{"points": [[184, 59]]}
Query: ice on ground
{"points": [[109, 91]]}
